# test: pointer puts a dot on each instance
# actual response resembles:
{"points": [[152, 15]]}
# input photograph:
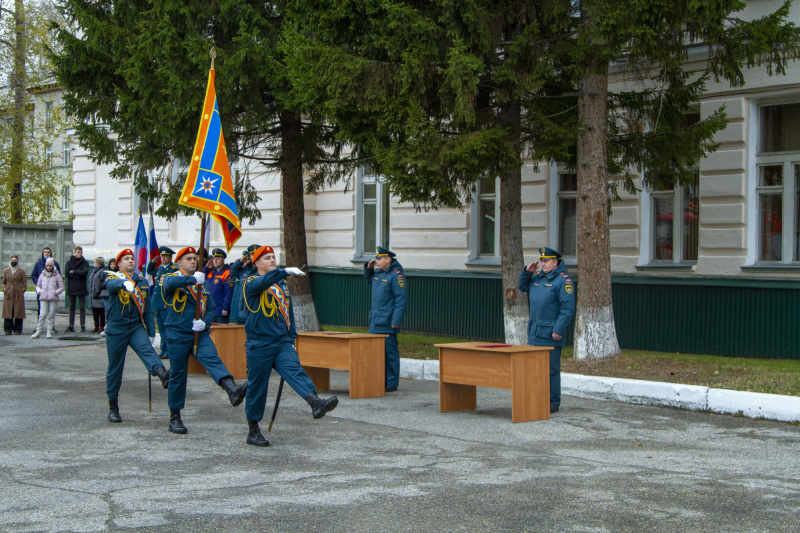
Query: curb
{"points": [[635, 391]]}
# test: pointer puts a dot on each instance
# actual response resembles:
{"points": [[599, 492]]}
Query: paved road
{"points": [[386, 464]]}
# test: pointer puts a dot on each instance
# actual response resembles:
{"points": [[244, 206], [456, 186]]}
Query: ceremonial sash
{"points": [[276, 292], [138, 297], [194, 291]]}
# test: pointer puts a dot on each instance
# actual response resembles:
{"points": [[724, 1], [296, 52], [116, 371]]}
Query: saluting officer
{"points": [[159, 307], [218, 278], [552, 306], [389, 300], [129, 322], [241, 269], [270, 342], [183, 291]]}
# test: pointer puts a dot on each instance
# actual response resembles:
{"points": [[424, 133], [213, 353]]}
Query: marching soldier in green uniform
{"points": [[159, 307], [552, 306]]}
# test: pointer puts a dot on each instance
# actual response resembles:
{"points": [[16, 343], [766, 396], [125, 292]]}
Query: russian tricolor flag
{"points": [[140, 247]]}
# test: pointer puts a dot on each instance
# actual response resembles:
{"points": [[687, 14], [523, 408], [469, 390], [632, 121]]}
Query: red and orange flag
{"points": [[209, 186]]}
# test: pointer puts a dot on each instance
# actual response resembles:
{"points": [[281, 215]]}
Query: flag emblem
{"points": [[209, 186]]}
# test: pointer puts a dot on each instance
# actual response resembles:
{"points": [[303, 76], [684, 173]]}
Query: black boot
{"points": [[163, 375], [255, 437], [235, 392], [175, 422], [319, 406], [113, 411]]}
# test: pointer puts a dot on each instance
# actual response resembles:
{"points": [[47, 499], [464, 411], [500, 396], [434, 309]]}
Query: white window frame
{"points": [[383, 209], [677, 223], [48, 155], [475, 255], [65, 197], [67, 154], [555, 195]]}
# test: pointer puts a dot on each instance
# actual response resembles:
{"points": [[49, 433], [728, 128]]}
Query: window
{"points": [[65, 198], [372, 218], [484, 223], [48, 114], [778, 184], [67, 154], [675, 223], [568, 214], [48, 156]]}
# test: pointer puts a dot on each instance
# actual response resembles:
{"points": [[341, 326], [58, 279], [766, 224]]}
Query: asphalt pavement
{"points": [[380, 464]]}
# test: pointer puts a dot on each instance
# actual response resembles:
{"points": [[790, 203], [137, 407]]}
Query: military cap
{"points": [[184, 251], [166, 250], [548, 253], [383, 252], [218, 252], [126, 251], [261, 251], [253, 247]]}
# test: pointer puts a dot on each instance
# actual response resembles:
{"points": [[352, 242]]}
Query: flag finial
{"points": [[213, 54]]}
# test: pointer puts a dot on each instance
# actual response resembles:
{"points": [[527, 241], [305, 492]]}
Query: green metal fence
{"points": [[717, 316]]}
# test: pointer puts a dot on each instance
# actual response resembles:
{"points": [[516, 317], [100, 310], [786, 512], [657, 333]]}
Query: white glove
{"points": [[294, 271], [200, 278], [198, 325], [128, 285], [118, 275]]}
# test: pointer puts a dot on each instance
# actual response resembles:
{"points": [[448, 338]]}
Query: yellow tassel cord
{"points": [[266, 305], [178, 298]]}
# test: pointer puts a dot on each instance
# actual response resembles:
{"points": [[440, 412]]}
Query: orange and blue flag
{"points": [[208, 185]]}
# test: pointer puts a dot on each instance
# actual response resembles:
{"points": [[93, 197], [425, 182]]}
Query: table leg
{"points": [[367, 368], [530, 387], [321, 377], [454, 397]]}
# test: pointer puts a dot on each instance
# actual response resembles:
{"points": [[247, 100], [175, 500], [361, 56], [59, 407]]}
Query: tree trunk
{"points": [[515, 304], [19, 84], [595, 334], [294, 224]]}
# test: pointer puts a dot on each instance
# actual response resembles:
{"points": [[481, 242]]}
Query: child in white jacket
{"points": [[49, 286]]}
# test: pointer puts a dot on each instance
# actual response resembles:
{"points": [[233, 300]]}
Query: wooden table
{"points": [[229, 340], [523, 369], [362, 354]]}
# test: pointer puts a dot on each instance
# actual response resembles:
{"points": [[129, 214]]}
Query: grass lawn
{"points": [[773, 376]]}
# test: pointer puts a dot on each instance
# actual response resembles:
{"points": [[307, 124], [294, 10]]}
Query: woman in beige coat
{"points": [[15, 281]]}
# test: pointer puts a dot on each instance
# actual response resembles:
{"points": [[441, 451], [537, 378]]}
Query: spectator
{"points": [[98, 293], [15, 281], [77, 270], [38, 268], [48, 287]]}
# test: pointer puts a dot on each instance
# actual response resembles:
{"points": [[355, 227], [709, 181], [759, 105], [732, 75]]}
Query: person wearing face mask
{"points": [[77, 269], [48, 287], [38, 268], [552, 306], [182, 292], [270, 330], [129, 323], [385, 276], [14, 283]]}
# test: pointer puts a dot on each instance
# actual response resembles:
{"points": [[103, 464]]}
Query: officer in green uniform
{"points": [[159, 307], [389, 300], [552, 306]]}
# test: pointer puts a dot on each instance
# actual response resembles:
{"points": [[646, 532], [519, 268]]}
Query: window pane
{"points": [[487, 227], [369, 191], [567, 182], [771, 207], [780, 128], [797, 213], [385, 215], [370, 228], [691, 221], [567, 240], [488, 186], [771, 176], [663, 209]]}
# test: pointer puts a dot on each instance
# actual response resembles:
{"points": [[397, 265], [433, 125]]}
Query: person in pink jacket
{"points": [[49, 286]]}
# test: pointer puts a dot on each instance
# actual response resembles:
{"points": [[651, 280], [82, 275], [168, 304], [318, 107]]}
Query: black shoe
{"points": [[319, 406], [163, 375], [175, 422], [235, 392], [70, 329], [113, 411], [8, 333], [391, 389], [553, 408], [163, 356], [83, 329], [54, 331], [255, 437]]}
